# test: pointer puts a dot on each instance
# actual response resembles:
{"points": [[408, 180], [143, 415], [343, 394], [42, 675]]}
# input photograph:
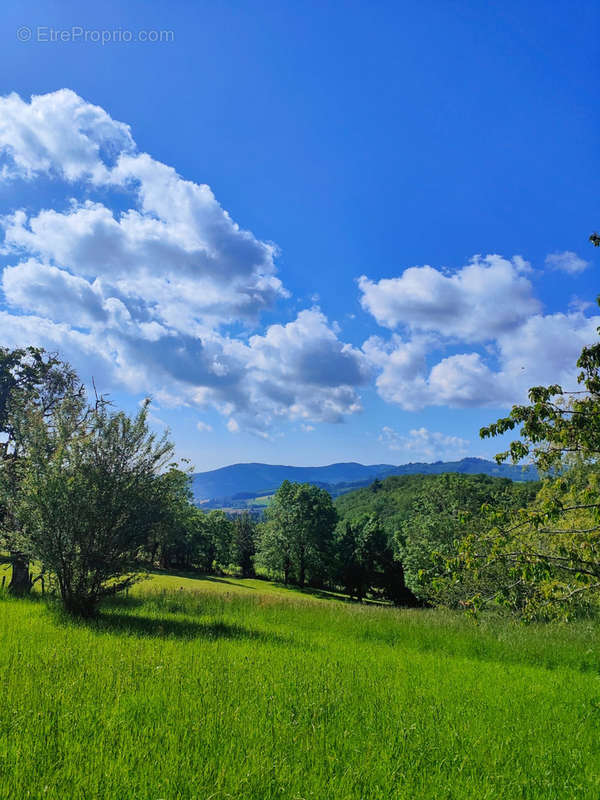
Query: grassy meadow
{"points": [[226, 688]]}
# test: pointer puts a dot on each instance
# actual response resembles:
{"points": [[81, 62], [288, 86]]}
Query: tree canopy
{"points": [[297, 535], [551, 547], [33, 383], [89, 497]]}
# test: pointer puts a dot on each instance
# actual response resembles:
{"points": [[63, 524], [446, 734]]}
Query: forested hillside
{"points": [[423, 520], [393, 499]]}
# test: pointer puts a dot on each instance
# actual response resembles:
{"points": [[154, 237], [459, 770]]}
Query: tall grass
{"points": [[239, 690]]}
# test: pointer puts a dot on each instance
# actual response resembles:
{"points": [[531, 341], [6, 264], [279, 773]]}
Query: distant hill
{"points": [[238, 484], [392, 499]]}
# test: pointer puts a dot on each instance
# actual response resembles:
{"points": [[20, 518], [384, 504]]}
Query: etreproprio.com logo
{"points": [[78, 34]]}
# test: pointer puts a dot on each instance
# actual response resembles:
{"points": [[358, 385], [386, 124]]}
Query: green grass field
{"points": [[227, 688], [261, 501]]}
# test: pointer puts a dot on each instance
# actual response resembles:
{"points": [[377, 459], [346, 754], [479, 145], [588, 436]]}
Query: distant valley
{"points": [[240, 486]]}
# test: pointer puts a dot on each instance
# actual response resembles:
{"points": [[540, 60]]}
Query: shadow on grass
{"points": [[327, 594], [125, 601], [197, 576], [166, 627], [214, 579]]}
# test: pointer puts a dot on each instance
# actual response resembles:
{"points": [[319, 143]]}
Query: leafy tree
{"points": [[349, 572], [392, 503], [178, 537], [355, 558], [274, 551], [392, 583], [216, 551], [32, 382], [244, 543], [552, 547], [422, 518], [367, 563], [363, 553], [314, 520], [89, 498], [297, 536], [441, 516]]}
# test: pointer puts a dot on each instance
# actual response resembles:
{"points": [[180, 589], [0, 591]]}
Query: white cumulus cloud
{"points": [[487, 311], [476, 303], [59, 133], [139, 277], [568, 261]]}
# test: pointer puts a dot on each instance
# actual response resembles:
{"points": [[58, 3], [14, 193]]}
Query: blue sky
{"points": [[445, 151]]}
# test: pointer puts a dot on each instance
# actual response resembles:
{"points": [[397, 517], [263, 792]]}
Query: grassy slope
{"points": [[245, 690]]}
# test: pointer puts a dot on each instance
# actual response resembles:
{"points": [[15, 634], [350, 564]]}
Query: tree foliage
{"points": [[244, 544], [218, 542], [442, 515], [178, 536], [551, 549], [296, 538], [366, 562], [89, 497], [361, 549], [32, 383]]}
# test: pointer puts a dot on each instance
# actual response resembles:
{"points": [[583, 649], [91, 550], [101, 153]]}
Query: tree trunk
{"points": [[164, 562], [20, 583], [302, 573], [301, 564], [84, 606]]}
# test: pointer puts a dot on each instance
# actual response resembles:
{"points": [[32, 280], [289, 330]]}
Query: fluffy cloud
{"points": [[460, 381], [195, 260], [305, 367], [402, 369], [141, 279], [545, 348], [142, 284], [59, 133], [489, 305], [423, 444], [43, 289], [568, 261], [308, 347], [542, 350], [485, 298], [464, 380], [299, 371]]}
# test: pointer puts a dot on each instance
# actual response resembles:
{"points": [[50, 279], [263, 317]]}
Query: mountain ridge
{"points": [[244, 481]]}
